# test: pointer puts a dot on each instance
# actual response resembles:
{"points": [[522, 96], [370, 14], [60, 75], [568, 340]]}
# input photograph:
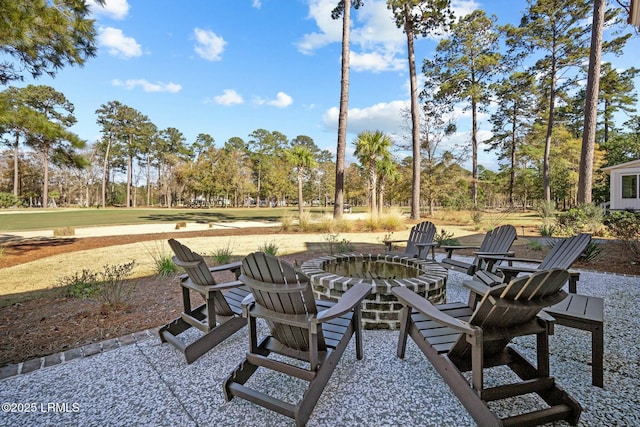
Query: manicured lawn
{"points": [[36, 219]]}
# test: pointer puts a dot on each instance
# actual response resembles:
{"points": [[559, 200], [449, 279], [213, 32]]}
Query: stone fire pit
{"points": [[332, 276]]}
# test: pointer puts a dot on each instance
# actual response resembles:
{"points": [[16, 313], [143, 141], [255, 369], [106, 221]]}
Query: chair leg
{"points": [[356, 321], [597, 354], [405, 323]]}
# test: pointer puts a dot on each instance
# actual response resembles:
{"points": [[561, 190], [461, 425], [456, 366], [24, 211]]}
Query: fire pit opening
{"points": [[332, 276], [370, 269]]}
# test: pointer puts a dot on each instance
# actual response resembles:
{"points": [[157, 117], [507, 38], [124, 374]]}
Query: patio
{"points": [[148, 383]]}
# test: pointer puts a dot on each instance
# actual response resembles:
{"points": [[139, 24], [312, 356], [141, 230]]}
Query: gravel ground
{"points": [[148, 383]]}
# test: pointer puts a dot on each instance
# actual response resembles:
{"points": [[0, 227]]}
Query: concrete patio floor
{"points": [[148, 383]]}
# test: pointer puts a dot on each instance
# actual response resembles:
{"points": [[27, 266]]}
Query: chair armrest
{"points": [[514, 259], [422, 245], [349, 300], [502, 256], [184, 264], [514, 270], [388, 243], [415, 301], [476, 287], [231, 266], [226, 285], [450, 249]]}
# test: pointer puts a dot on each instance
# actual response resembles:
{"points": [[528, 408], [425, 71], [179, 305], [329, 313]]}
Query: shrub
{"points": [[115, 289], [593, 251], [326, 224], [625, 227], [547, 229], [334, 245], [222, 255], [304, 221], [162, 261], [445, 238], [80, 285], [269, 248], [8, 200], [476, 216], [534, 245], [586, 217], [287, 222], [392, 220], [546, 210]]}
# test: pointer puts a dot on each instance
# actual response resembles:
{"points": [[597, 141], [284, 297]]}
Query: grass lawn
{"points": [[38, 219]]}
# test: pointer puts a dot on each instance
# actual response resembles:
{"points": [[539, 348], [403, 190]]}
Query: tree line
{"points": [[529, 77]]}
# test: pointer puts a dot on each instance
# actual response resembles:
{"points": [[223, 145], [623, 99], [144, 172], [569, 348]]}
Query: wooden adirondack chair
{"points": [[420, 238], [578, 311], [496, 242], [316, 332], [562, 255], [221, 314], [456, 338]]}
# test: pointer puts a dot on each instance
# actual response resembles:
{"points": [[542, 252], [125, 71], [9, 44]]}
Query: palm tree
{"points": [[345, 12], [371, 148], [387, 170], [302, 159]]}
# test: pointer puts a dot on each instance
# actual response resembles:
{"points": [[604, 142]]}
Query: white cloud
{"points": [[256, 3], [228, 97], [209, 45], [384, 116], [115, 9], [117, 43], [282, 100], [330, 30], [147, 86], [376, 62], [376, 43], [464, 7]]}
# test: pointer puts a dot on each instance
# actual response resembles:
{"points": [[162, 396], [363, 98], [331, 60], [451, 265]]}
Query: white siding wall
{"points": [[617, 202]]}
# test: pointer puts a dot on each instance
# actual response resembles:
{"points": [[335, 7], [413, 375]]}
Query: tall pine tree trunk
{"points": [[342, 118], [415, 115], [585, 179]]}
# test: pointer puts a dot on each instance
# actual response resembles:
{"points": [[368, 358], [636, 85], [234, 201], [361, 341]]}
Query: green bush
{"points": [[84, 284], [584, 218], [115, 289], [334, 245], [222, 255], [8, 200], [592, 252], [270, 248], [625, 227], [445, 238], [162, 261], [534, 245]]}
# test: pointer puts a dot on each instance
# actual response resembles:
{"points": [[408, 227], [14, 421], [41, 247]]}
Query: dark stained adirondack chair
{"points": [[496, 242], [221, 314], [419, 243], [563, 255], [456, 339], [316, 332], [577, 311]]}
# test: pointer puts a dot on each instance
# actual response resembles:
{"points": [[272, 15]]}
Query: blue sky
{"points": [[229, 67]]}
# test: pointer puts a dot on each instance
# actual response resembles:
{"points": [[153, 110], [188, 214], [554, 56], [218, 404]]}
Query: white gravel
{"points": [[148, 383]]}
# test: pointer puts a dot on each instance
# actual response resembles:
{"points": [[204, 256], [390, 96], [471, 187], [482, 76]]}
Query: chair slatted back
{"points": [[499, 240], [423, 232], [566, 252], [506, 306], [199, 274], [278, 288]]}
